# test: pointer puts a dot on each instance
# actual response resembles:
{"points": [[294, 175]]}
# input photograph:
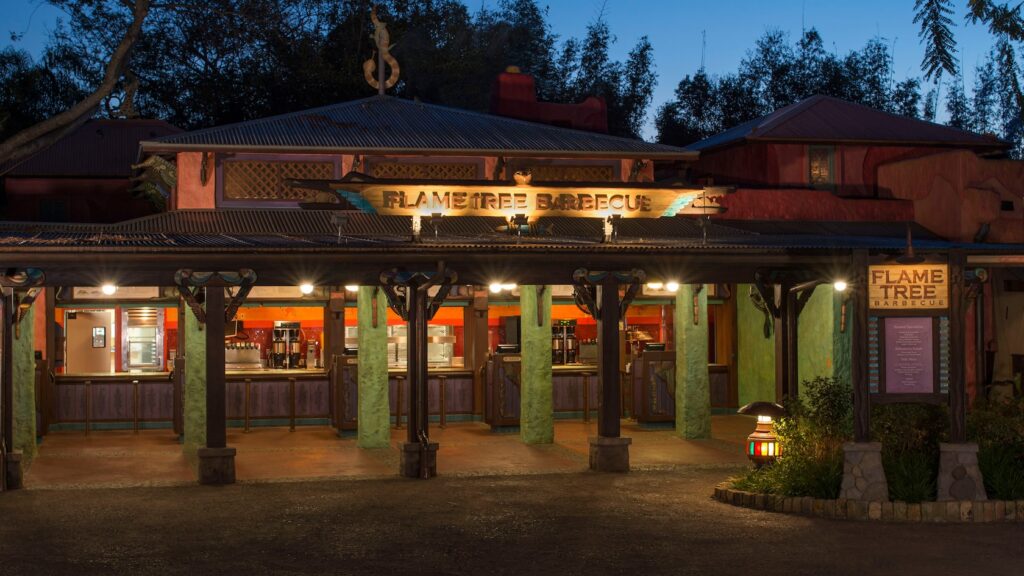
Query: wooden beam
{"points": [[610, 410], [216, 401], [858, 304], [957, 366]]}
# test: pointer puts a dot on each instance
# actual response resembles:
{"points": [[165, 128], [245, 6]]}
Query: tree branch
{"points": [[45, 133]]}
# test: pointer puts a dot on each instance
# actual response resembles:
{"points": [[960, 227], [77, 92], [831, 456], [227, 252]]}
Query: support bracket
{"points": [[31, 281], [585, 283], [189, 284], [396, 283]]}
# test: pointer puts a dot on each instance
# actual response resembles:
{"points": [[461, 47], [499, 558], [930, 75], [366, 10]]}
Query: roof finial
{"points": [[382, 39]]}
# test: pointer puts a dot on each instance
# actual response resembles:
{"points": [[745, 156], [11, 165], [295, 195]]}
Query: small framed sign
{"points": [[99, 337]]}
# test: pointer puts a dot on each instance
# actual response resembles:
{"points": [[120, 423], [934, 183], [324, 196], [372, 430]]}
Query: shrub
{"points": [[910, 436], [811, 436], [998, 429]]}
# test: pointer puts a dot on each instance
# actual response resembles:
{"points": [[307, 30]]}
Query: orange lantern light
{"points": [[762, 446]]}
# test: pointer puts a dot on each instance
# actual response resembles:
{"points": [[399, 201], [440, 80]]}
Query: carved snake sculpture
{"points": [[382, 39]]}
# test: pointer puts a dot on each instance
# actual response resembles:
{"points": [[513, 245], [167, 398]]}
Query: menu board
{"points": [[909, 356]]}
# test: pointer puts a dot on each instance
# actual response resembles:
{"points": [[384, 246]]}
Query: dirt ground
{"points": [[657, 522]]}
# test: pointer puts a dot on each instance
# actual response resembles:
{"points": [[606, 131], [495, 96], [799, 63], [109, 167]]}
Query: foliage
{"points": [[911, 475], [910, 436], [812, 436], [998, 429], [209, 62]]}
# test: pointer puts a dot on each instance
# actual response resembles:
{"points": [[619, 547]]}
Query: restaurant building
{"points": [[389, 262]]}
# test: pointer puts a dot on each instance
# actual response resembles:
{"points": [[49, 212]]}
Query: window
{"points": [[822, 168]]}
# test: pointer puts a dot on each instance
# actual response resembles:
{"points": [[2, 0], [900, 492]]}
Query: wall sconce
{"points": [[498, 287], [435, 221], [611, 227], [841, 286], [417, 226], [762, 446], [517, 222]]}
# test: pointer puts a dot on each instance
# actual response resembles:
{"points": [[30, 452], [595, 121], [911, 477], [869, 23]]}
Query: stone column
{"points": [[693, 388], [374, 419], [536, 424], [863, 475], [195, 384], [959, 475]]}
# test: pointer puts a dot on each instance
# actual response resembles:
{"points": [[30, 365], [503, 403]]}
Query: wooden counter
{"points": [[574, 390]]}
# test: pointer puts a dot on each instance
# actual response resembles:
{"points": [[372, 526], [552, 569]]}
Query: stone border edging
{"points": [[959, 511]]}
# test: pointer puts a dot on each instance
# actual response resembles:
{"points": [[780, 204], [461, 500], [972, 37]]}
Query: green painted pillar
{"points": [[536, 419], [25, 389], [815, 333], [693, 388], [842, 345], [755, 361], [374, 416], [195, 384]]}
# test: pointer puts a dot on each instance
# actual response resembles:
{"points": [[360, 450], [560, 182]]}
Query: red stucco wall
{"points": [[956, 192], [803, 204]]}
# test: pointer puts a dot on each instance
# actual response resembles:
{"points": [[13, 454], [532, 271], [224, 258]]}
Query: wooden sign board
{"points": [[908, 287], [487, 198], [122, 293]]}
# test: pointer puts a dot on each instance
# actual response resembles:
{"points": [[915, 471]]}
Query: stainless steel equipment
{"points": [[242, 356], [287, 350], [565, 347], [142, 338]]}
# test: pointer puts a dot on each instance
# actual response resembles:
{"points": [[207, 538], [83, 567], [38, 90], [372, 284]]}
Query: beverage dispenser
{"points": [[287, 351]]}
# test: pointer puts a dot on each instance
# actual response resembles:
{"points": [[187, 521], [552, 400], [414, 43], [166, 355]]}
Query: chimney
{"points": [[514, 95]]}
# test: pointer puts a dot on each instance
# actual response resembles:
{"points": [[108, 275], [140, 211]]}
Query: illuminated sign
{"points": [[912, 287], [488, 198]]}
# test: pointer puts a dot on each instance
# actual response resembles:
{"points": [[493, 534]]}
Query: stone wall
{"points": [[755, 358]]}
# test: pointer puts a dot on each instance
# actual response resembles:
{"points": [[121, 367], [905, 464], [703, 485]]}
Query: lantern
{"points": [[762, 446]]}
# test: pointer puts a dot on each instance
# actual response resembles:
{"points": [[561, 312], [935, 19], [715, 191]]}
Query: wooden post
{"points": [[333, 353], [216, 400], [858, 305], [957, 366], [609, 399], [49, 404]]}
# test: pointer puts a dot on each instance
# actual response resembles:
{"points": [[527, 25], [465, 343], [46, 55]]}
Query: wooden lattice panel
{"points": [[567, 173], [424, 171], [261, 180]]}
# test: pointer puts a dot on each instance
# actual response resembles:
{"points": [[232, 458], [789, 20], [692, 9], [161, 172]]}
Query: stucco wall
{"points": [[191, 193], [755, 359], [976, 186]]}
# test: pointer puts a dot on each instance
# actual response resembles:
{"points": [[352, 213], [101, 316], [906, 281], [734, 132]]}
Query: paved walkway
{"points": [[642, 523], [154, 457]]}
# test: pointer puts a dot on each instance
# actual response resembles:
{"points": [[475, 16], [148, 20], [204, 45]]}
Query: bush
{"points": [[811, 437], [998, 429], [910, 436]]}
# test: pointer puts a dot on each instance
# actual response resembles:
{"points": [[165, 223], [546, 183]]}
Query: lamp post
{"points": [[762, 446]]}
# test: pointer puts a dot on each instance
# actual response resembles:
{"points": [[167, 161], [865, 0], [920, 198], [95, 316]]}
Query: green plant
{"points": [[910, 436], [811, 437], [1002, 467], [911, 475]]}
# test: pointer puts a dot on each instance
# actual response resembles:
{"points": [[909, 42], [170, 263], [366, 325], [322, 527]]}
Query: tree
{"points": [[693, 115], [957, 107], [906, 99], [43, 134], [984, 101]]}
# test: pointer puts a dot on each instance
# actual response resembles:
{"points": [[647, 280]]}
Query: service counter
{"points": [[449, 394], [147, 399], [574, 390]]}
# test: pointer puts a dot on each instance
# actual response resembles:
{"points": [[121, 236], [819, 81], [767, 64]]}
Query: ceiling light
{"points": [[840, 286], [351, 287], [108, 289], [306, 288]]}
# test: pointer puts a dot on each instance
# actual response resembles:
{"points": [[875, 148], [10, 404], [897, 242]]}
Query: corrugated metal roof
{"points": [[827, 119], [388, 124], [283, 231], [98, 148]]}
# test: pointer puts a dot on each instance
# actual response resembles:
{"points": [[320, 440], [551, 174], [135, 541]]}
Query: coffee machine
{"points": [[564, 345], [287, 349]]}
